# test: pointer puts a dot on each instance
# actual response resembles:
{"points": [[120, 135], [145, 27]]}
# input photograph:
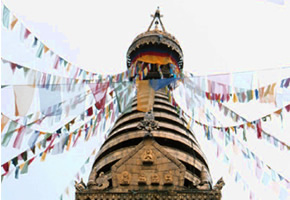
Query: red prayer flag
{"points": [[90, 111], [259, 129], [99, 91], [288, 108], [56, 62], [13, 66], [31, 160], [228, 97], [26, 34], [19, 137], [6, 167]]}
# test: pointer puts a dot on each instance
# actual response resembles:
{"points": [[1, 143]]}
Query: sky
{"points": [[215, 36]]}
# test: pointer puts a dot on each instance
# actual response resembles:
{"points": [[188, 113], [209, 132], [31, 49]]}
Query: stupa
{"points": [[151, 155]]}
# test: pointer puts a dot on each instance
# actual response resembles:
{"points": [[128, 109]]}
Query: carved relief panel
{"points": [[147, 167]]}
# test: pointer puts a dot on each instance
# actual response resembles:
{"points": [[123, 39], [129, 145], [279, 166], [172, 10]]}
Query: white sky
{"points": [[216, 36]]}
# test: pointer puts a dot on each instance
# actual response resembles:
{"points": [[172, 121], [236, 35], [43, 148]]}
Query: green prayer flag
{"points": [[25, 70], [65, 62], [244, 133], [25, 168], [40, 50], [8, 135], [5, 17], [249, 95]]}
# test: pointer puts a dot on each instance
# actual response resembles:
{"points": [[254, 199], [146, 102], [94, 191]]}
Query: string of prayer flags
{"points": [[254, 125], [261, 171], [64, 142], [99, 91], [219, 89]]}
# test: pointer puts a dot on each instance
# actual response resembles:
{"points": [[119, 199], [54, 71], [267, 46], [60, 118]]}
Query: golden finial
{"points": [[157, 18]]}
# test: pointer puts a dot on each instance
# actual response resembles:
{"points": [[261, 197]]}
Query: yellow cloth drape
{"points": [[161, 60], [145, 96]]}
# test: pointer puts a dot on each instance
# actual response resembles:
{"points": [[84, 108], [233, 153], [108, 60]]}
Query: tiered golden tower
{"points": [[151, 155]]}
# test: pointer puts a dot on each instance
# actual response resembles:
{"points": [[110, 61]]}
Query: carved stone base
{"points": [[149, 195]]}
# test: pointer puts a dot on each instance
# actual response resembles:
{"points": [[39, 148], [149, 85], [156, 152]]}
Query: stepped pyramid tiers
{"points": [[151, 155]]}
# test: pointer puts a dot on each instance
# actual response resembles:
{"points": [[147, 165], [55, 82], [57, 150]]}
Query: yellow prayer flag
{"points": [[249, 124], [4, 121], [43, 156], [235, 98], [69, 141], [68, 67], [145, 96], [233, 129], [21, 166], [38, 145], [14, 21], [45, 48], [189, 123], [67, 126], [278, 112], [107, 112]]}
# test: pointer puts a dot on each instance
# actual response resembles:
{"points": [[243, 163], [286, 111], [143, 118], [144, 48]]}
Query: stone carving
{"points": [[168, 178], [81, 186], [92, 178], [220, 184], [142, 179], [102, 181], [205, 183], [154, 179], [125, 178], [148, 156], [148, 123]]}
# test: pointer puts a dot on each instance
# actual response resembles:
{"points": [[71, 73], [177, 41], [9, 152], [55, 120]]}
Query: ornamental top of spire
{"points": [[155, 39]]}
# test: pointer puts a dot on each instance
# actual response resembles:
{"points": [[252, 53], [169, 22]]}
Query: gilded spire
{"points": [[156, 19]]}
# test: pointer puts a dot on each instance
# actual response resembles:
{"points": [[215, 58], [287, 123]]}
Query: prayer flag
{"points": [[259, 129], [45, 48], [24, 169], [23, 98], [4, 121], [99, 91], [15, 161], [13, 23], [6, 166], [19, 137], [235, 98], [5, 16], [26, 34], [40, 49], [157, 84], [43, 156]]}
